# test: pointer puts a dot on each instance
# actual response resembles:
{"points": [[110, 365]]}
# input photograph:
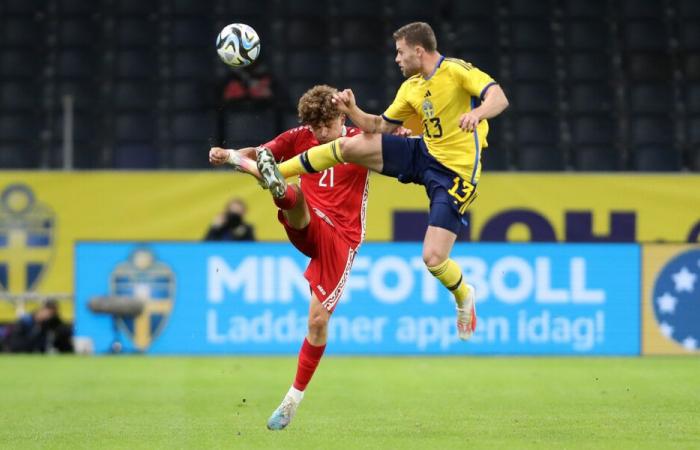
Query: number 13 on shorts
{"points": [[463, 192]]}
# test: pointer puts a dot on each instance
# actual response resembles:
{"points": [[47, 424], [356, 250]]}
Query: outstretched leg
{"points": [[309, 356], [362, 149]]}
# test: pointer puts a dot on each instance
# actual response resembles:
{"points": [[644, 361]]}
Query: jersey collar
{"points": [[437, 66]]}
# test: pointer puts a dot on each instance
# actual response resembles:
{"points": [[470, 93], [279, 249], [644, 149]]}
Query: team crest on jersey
{"points": [[144, 279], [676, 300], [26, 239], [428, 108]]}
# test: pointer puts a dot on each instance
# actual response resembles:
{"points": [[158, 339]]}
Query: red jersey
{"points": [[338, 195]]}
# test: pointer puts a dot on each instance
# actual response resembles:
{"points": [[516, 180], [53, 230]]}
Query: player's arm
{"points": [[219, 156], [493, 103], [478, 84], [368, 123]]}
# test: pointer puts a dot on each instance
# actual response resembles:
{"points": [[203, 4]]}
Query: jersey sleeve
{"points": [[282, 147], [473, 80], [400, 109]]}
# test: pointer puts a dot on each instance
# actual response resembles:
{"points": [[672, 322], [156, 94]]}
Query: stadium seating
{"points": [[608, 84]]}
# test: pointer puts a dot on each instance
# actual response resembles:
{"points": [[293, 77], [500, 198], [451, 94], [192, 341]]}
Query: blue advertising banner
{"points": [[252, 298]]}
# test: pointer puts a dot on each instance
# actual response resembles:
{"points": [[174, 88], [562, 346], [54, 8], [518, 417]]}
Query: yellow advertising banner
{"points": [[670, 299], [42, 214]]}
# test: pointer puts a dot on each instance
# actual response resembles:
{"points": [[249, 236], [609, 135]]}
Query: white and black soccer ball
{"points": [[238, 45]]}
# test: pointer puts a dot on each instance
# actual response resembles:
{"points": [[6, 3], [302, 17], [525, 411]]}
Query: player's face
{"points": [[407, 58], [328, 131]]}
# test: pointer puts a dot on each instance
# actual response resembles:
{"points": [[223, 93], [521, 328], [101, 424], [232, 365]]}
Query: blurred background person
{"points": [[40, 332], [229, 225]]}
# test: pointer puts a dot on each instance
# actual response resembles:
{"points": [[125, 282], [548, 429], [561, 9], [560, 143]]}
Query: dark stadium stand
{"points": [[594, 85]]}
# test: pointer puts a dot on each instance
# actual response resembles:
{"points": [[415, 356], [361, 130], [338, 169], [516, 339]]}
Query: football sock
{"points": [[309, 357], [289, 200], [450, 275], [315, 159]]}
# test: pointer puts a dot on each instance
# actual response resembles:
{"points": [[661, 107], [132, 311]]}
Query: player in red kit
{"points": [[324, 217]]}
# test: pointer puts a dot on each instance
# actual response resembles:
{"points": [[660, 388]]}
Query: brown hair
{"points": [[316, 106], [417, 33]]}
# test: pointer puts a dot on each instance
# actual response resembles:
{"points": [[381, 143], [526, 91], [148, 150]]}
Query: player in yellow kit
{"points": [[453, 100]]}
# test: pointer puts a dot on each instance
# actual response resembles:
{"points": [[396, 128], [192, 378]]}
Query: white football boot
{"points": [[284, 413], [271, 175], [466, 315]]}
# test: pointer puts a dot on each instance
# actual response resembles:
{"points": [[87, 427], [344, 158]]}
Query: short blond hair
{"points": [[316, 107], [417, 33]]}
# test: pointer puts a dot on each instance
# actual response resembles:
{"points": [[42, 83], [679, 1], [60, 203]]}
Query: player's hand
{"points": [[401, 131], [469, 121], [218, 156], [345, 100]]}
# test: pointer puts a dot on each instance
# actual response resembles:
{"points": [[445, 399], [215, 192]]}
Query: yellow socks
{"points": [[315, 159], [450, 275]]}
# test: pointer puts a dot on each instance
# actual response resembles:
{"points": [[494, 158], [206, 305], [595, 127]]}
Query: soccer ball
{"points": [[238, 45]]}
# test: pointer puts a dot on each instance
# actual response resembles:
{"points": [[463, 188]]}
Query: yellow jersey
{"points": [[440, 100]]}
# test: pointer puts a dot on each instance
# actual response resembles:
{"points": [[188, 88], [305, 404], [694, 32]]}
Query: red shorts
{"points": [[331, 257]]}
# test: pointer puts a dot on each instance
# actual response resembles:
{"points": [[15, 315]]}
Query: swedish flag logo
{"points": [[144, 279], [26, 239]]}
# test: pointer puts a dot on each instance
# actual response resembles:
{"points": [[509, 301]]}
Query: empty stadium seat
{"points": [[480, 10], [691, 66], [76, 63], [359, 33], [593, 130], [193, 127], [135, 63], [651, 130], [540, 158], [597, 158], [18, 96], [528, 66], [78, 32], [478, 35], [18, 127], [534, 97], [131, 96], [591, 97], [536, 130], [531, 34], [192, 64], [657, 159], [189, 95], [587, 35], [308, 64], [362, 66], [642, 9], [692, 98], [526, 8], [589, 66], [136, 32], [650, 98], [16, 63], [135, 156], [252, 127], [645, 35], [189, 155], [648, 66], [689, 8], [690, 34], [18, 31], [192, 33], [134, 127], [582, 9]]}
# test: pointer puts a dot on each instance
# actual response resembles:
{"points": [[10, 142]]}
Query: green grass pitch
{"points": [[356, 403]]}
